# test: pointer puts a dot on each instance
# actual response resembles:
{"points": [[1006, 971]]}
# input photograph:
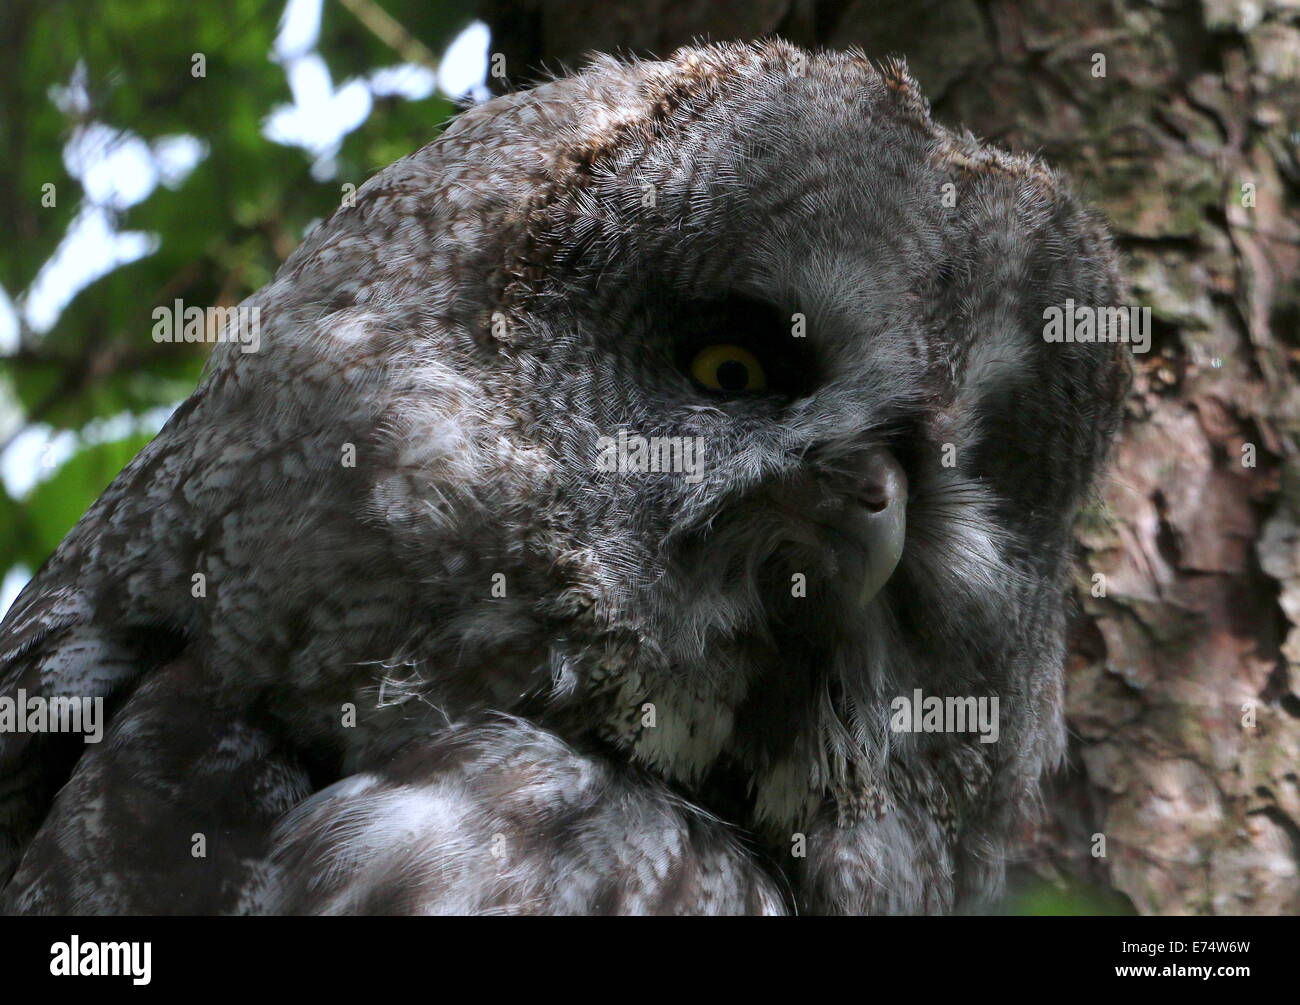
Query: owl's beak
{"points": [[881, 518]]}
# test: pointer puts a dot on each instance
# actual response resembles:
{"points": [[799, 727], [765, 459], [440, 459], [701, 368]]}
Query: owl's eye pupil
{"points": [[733, 375], [723, 366]]}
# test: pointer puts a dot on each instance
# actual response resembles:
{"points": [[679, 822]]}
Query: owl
{"points": [[618, 483]]}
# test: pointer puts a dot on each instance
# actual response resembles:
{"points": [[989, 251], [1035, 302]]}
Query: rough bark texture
{"points": [[1184, 679]]}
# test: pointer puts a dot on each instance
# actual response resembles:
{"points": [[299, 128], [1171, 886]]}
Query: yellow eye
{"points": [[728, 368]]}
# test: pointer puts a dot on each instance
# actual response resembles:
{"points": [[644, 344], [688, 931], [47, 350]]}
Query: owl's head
{"points": [[719, 414]]}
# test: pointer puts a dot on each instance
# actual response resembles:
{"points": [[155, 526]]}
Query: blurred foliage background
{"points": [[154, 150]]}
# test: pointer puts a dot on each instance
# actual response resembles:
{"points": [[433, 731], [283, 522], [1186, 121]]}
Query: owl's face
{"points": [[715, 414], [775, 350]]}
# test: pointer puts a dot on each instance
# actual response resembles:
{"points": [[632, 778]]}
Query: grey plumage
{"points": [[491, 307]]}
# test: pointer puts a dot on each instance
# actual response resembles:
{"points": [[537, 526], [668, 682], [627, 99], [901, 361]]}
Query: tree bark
{"points": [[1181, 120]]}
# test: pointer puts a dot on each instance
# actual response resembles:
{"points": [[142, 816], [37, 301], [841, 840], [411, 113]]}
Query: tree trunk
{"points": [[1181, 120]]}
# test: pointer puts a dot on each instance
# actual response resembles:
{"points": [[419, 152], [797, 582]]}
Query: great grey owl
{"points": [[606, 475]]}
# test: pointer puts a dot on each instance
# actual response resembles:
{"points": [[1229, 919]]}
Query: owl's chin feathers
{"points": [[771, 646]]}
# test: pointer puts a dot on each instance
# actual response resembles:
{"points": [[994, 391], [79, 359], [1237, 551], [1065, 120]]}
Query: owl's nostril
{"points": [[883, 481], [874, 497]]}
